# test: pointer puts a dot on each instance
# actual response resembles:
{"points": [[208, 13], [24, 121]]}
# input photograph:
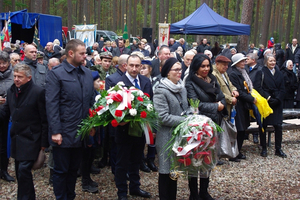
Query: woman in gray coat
{"points": [[170, 100]]}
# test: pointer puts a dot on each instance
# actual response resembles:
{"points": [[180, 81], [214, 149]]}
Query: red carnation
{"points": [[99, 108], [143, 114], [147, 95], [179, 149], [114, 123], [92, 113], [140, 99], [118, 113]]}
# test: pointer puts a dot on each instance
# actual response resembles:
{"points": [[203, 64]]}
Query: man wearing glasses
{"points": [[14, 59]]}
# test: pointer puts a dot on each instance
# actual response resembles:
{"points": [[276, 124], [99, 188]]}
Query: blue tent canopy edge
{"points": [[204, 21]]}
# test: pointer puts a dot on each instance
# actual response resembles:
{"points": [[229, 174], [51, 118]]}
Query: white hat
{"points": [[236, 58]]}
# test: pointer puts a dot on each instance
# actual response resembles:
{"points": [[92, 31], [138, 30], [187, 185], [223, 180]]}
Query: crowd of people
{"points": [[46, 92]]}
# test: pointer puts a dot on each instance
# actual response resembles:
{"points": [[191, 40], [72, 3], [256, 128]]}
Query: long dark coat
{"points": [[29, 130], [242, 118], [268, 85], [291, 85]]}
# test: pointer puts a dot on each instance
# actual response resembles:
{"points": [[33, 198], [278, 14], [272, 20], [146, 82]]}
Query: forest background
{"points": [[268, 18]]}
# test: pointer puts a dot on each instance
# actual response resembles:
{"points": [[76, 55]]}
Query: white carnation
{"points": [[110, 101], [149, 107], [97, 97], [120, 92], [132, 97], [132, 112], [140, 93], [113, 92]]}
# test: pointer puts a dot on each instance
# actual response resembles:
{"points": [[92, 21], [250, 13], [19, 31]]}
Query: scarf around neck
{"points": [[211, 89], [246, 77], [176, 88]]}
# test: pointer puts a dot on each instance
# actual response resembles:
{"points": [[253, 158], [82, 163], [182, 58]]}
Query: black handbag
{"points": [[228, 142]]}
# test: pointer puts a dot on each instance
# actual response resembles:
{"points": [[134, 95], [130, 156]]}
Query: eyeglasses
{"points": [[176, 70], [19, 60]]}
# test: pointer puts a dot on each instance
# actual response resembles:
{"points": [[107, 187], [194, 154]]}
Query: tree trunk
{"points": [[173, 12], [289, 21], [146, 10], [115, 15], [297, 5], [134, 31], [70, 20], [32, 6], [256, 23], [226, 14], [246, 18], [211, 4], [153, 19], [281, 20], [99, 15], [184, 8], [273, 20], [122, 13], [167, 9], [13, 5], [129, 17], [161, 11], [1, 6], [266, 22]]}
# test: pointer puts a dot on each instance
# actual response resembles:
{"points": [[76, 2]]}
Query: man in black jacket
{"points": [[69, 95], [29, 130], [291, 51], [121, 49]]}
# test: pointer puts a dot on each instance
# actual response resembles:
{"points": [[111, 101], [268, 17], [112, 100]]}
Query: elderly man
{"points": [[187, 60], [121, 49], [226, 86], [203, 46], [95, 47], [38, 71], [163, 54], [29, 130], [14, 59], [52, 63], [69, 95]]}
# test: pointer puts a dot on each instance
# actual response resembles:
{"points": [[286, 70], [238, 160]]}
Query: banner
{"points": [[163, 34], [36, 35], [125, 36], [86, 33]]}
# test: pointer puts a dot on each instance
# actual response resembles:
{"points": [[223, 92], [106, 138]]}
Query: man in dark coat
{"points": [[121, 49], [130, 148], [93, 48], [26, 105], [141, 48], [279, 55], [203, 46], [38, 71], [69, 95], [163, 54], [252, 68]]}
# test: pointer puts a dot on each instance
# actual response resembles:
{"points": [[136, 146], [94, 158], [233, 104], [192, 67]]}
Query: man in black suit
{"points": [[121, 49], [252, 68], [163, 54], [130, 148]]}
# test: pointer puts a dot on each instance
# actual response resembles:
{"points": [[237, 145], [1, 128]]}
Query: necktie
{"points": [[250, 69], [136, 84]]}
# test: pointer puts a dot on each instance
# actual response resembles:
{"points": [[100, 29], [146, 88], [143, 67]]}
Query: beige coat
{"points": [[224, 88]]}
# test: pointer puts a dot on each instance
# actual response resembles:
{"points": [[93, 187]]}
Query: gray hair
{"points": [[53, 60], [253, 56], [123, 59], [21, 67], [4, 56], [267, 56], [13, 55], [287, 63]]}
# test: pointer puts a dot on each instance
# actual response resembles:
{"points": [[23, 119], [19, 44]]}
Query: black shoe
{"points": [[255, 139], [206, 197], [264, 153], [141, 193], [93, 183], [89, 188], [220, 162], [95, 170], [122, 198], [241, 156], [151, 165], [280, 153], [234, 159], [5, 176], [144, 167]]}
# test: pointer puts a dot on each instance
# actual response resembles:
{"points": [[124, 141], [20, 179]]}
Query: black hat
{"points": [[167, 66]]}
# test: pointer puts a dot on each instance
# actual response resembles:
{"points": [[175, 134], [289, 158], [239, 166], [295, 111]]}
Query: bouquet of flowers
{"points": [[193, 145], [120, 104]]}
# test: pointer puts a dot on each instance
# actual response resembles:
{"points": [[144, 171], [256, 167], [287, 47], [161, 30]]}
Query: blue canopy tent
{"points": [[204, 21], [23, 25]]}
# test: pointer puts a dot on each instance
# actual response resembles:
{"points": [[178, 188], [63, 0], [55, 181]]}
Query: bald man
{"points": [[38, 71]]}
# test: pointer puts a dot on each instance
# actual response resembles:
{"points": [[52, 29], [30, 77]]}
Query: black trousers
{"points": [[129, 156], [240, 139], [278, 136], [66, 164], [87, 161], [167, 188], [24, 178], [3, 145]]}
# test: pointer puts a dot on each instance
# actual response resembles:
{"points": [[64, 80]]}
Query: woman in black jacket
{"points": [[290, 83], [202, 85], [240, 79], [270, 84]]}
